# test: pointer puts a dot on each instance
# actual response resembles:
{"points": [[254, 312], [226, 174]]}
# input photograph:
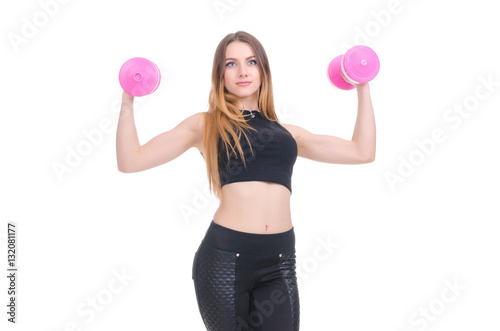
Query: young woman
{"points": [[244, 269]]}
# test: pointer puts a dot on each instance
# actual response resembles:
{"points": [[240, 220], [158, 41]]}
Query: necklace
{"points": [[251, 112]]}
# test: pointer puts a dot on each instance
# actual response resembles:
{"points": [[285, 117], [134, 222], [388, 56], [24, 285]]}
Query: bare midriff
{"points": [[255, 207]]}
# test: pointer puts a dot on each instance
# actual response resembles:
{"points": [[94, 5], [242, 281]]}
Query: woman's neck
{"points": [[250, 103]]}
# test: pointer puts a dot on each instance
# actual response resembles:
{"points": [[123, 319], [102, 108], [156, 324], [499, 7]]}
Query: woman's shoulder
{"points": [[196, 122], [193, 127]]}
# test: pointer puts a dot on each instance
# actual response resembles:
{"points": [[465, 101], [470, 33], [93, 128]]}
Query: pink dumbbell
{"points": [[139, 77], [360, 64]]}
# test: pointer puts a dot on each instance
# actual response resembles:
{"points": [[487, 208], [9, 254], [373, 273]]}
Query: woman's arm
{"points": [[131, 157], [331, 149], [364, 135], [127, 141]]}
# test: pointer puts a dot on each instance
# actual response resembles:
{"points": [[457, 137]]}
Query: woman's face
{"points": [[241, 74]]}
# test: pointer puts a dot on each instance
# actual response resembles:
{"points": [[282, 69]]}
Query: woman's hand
{"points": [[127, 97]]}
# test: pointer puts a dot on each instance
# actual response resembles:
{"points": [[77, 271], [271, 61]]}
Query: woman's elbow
{"points": [[368, 159], [365, 158], [125, 168]]}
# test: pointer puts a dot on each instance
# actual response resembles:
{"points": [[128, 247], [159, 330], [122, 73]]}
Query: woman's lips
{"points": [[243, 83]]}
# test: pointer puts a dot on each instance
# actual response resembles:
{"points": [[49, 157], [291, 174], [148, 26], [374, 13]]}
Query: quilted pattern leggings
{"points": [[245, 281]]}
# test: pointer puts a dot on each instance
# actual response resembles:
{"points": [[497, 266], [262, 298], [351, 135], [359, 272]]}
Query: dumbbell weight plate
{"points": [[334, 74], [360, 64], [139, 77]]}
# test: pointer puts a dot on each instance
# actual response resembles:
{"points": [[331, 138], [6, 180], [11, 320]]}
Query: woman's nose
{"points": [[243, 71]]}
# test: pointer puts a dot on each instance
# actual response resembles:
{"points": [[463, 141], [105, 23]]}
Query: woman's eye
{"points": [[232, 64]]}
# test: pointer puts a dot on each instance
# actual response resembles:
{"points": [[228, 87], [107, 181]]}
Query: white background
{"points": [[397, 247]]}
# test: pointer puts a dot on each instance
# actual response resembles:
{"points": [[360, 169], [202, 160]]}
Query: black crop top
{"points": [[274, 154]]}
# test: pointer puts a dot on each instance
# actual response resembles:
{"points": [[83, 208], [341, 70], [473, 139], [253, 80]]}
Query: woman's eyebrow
{"points": [[232, 58]]}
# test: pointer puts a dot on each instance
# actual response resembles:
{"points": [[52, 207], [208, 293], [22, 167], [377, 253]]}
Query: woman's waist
{"points": [[253, 221], [230, 240]]}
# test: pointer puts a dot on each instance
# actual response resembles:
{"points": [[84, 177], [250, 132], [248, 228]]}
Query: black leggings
{"points": [[245, 281]]}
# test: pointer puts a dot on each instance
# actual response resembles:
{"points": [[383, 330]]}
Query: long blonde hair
{"points": [[223, 118]]}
